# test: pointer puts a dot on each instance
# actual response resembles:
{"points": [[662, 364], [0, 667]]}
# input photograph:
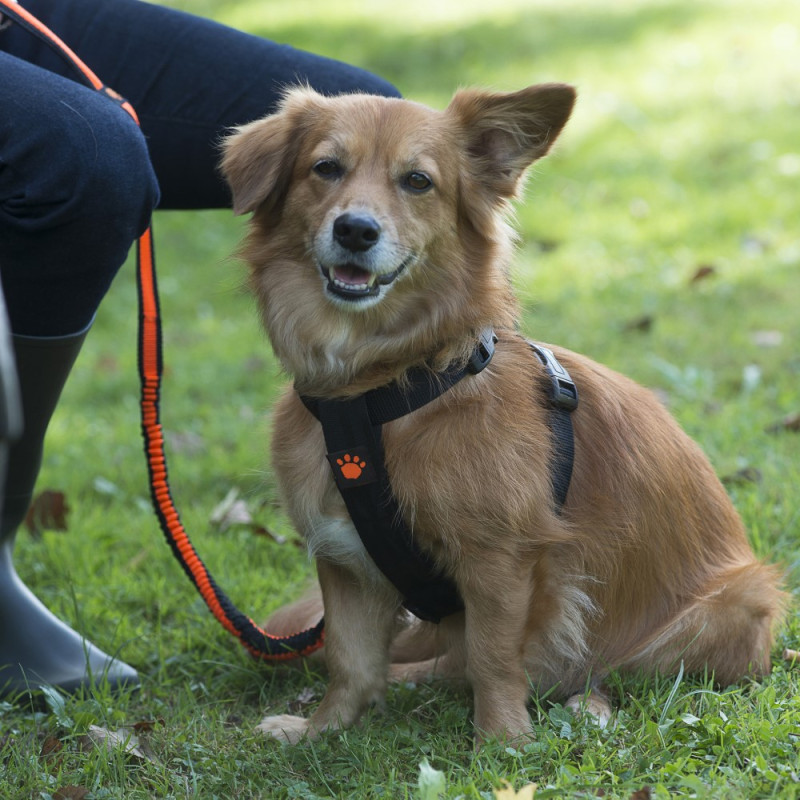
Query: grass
{"points": [[682, 154]]}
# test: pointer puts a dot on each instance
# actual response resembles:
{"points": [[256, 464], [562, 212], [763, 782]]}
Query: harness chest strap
{"points": [[352, 431]]}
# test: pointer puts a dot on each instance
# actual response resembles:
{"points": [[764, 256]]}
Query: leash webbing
{"points": [[260, 643]]}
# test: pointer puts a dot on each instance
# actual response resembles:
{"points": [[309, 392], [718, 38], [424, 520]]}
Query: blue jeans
{"points": [[79, 180]]}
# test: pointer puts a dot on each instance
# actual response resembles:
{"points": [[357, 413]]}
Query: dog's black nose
{"points": [[356, 232]]}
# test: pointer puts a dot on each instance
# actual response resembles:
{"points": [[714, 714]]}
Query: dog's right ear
{"points": [[258, 158]]}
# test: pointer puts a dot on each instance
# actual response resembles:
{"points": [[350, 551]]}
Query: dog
{"points": [[379, 244]]}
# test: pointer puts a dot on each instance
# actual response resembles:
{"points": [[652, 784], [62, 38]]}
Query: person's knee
{"points": [[93, 171], [76, 190], [117, 187]]}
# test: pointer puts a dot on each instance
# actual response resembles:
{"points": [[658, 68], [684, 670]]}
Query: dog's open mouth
{"points": [[351, 282]]}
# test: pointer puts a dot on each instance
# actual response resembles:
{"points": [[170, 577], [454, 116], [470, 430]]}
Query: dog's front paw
{"points": [[284, 727]]}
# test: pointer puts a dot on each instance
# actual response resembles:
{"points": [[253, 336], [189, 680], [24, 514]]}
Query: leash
{"points": [[257, 641]]}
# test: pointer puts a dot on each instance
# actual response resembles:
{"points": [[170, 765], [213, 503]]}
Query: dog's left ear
{"points": [[506, 133]]}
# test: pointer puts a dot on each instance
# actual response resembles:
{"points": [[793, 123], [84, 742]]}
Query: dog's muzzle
{"points": [[354, 235]]}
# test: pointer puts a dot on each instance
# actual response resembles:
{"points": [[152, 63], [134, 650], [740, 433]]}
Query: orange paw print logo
{"points": [[351, 467]]}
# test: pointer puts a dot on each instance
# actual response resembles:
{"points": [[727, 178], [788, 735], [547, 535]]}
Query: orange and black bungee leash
{"points": [[260, 643]]}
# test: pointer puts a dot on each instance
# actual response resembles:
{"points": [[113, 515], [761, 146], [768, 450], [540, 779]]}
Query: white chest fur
{"points": [[336, 539]]}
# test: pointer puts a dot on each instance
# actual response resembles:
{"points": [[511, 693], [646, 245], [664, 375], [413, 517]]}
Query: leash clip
{"points": [[483, 352], [563, 391]]}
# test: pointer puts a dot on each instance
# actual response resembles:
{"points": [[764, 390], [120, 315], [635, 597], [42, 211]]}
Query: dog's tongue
{"points": [[351, 275]]}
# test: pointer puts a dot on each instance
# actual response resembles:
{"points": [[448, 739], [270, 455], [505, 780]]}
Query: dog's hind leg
{"points": [[359, 623], [424, 652], [727, 631]]}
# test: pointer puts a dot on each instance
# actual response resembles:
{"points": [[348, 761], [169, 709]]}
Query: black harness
{"points": [[352, 431]]}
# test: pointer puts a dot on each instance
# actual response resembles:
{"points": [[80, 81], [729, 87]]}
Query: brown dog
{"points": [[378, 244]]}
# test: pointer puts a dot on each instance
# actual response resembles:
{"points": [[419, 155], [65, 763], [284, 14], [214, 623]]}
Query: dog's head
{"points": [[388, 212]]}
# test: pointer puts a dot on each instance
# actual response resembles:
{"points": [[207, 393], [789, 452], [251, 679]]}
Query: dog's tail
{"points": [[729, 630]]}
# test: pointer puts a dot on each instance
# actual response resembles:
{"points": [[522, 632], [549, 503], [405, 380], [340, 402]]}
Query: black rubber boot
{"points": [[36, 648]]}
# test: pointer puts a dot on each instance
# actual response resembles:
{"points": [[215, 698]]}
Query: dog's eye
{"points": [[417, 182], [328, 168]]}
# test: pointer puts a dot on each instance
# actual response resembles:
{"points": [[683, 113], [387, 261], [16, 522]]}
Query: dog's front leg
{"points": [[359, 622], [495, 619]]}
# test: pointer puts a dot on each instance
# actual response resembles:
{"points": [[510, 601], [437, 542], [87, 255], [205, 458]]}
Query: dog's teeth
{"points": [[353, 287]]}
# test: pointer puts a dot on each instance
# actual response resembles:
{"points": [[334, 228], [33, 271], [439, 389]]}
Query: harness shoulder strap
{"points": [[564, 400]]}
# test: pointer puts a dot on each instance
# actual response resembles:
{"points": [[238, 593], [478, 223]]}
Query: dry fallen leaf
{"points": [[186, 442], [525, 793], [70, 793], [255, 364], [742, 476], [50, 746], [147, 725], [642, 794], [791, 422], [48, 511], [767, 338], [702, 272], [231, 511], [791, 655], [51, 753], [107, 363], [123, 739], [641, 324], [261, 530], [303, 700]]}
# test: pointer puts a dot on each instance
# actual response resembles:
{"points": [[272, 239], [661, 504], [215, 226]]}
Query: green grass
{"points": [[683, 152]]}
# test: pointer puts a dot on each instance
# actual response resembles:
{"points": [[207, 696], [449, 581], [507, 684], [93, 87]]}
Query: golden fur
{"points": [[648, 565]]}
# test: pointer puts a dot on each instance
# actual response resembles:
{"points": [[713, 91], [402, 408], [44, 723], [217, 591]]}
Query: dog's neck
{"points": [[347, 367], [327, 358]]}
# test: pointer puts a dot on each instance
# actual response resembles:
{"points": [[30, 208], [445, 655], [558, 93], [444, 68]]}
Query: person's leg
{"points": [[189, 79], [76, 188]]}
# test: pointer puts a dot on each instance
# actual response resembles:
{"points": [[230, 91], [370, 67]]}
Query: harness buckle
{"points": [[483, 352], [563, 392]]}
